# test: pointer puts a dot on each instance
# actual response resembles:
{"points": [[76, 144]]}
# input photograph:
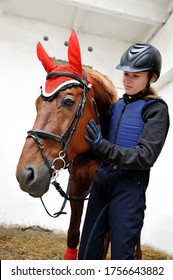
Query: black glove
{"points": [[94, 130]]}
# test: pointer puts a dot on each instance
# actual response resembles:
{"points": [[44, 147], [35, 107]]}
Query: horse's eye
{"points": [[68, 102]]}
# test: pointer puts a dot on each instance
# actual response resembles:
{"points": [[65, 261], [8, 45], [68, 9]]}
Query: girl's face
{"points": [[135, 82]]}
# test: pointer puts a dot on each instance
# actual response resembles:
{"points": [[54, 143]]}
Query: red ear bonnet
{"points": [[74, 55], [54, 83], [47, 62]]}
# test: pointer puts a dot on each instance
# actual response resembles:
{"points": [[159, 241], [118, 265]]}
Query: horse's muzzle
{"points": [[32, 180]]}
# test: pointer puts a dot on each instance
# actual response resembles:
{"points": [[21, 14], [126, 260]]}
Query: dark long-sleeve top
{"points": [[149, 146]]}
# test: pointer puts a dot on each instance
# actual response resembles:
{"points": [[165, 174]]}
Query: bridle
{"points": [[63, 139], [36, 133]]}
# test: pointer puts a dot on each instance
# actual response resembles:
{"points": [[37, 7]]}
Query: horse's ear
{"points": [[74, 55], [47, 62]]}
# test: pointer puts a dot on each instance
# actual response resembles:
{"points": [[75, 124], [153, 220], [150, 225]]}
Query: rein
{"points": [[36, 133], [65, 195]]}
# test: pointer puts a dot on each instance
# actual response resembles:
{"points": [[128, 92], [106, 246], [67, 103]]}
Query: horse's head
{"points": [[65, 106]]}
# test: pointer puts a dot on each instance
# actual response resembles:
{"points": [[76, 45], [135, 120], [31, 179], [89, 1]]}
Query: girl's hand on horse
{"points": [[95, 136]]}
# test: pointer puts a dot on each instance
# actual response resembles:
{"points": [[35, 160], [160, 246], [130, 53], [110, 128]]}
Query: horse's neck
{"points": [[103, 100], [103, 90]]}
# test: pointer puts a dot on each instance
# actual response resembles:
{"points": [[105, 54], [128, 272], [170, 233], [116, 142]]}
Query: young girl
{"points": [[137, 131]]}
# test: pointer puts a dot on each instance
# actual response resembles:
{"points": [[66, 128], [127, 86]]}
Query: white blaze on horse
{"points": [[70, 97]]}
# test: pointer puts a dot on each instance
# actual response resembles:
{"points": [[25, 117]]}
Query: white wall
{"points": [[158, 227], [21, 75]]}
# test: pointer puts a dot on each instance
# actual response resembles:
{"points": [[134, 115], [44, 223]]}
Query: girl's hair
{"points": [[152, 93]]}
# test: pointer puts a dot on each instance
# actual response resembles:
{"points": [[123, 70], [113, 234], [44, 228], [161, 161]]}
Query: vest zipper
{"points": [[118, 125]]}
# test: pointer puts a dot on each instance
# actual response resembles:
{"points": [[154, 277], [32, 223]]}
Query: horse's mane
{"points": [[105, 94], [105, 82]]}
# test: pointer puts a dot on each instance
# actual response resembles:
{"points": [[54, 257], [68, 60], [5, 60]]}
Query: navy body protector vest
{"points": [[126, 125]]}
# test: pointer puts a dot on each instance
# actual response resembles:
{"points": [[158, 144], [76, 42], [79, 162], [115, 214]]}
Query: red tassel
{"points": [[71, 254]]}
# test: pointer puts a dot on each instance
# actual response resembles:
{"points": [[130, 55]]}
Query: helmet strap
{"points": [[148, 83]]}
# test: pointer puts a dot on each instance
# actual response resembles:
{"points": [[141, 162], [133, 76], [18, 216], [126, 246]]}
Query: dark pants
{"points": [[116, 203]]}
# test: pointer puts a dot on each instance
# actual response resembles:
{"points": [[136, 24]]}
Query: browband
{"points": [[66, 74]]}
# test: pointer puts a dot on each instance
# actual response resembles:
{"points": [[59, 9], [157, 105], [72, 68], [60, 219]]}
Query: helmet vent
{"points": [[135, 51], [143, 61]]}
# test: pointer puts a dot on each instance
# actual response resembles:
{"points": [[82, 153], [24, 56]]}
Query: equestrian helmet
{"points": [[141, 58]]}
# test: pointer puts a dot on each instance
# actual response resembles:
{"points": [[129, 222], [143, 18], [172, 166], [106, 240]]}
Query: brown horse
{"points": [[70, 97]]}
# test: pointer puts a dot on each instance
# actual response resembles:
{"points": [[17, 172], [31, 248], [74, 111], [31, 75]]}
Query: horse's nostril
{"points": [[29, 175]]}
